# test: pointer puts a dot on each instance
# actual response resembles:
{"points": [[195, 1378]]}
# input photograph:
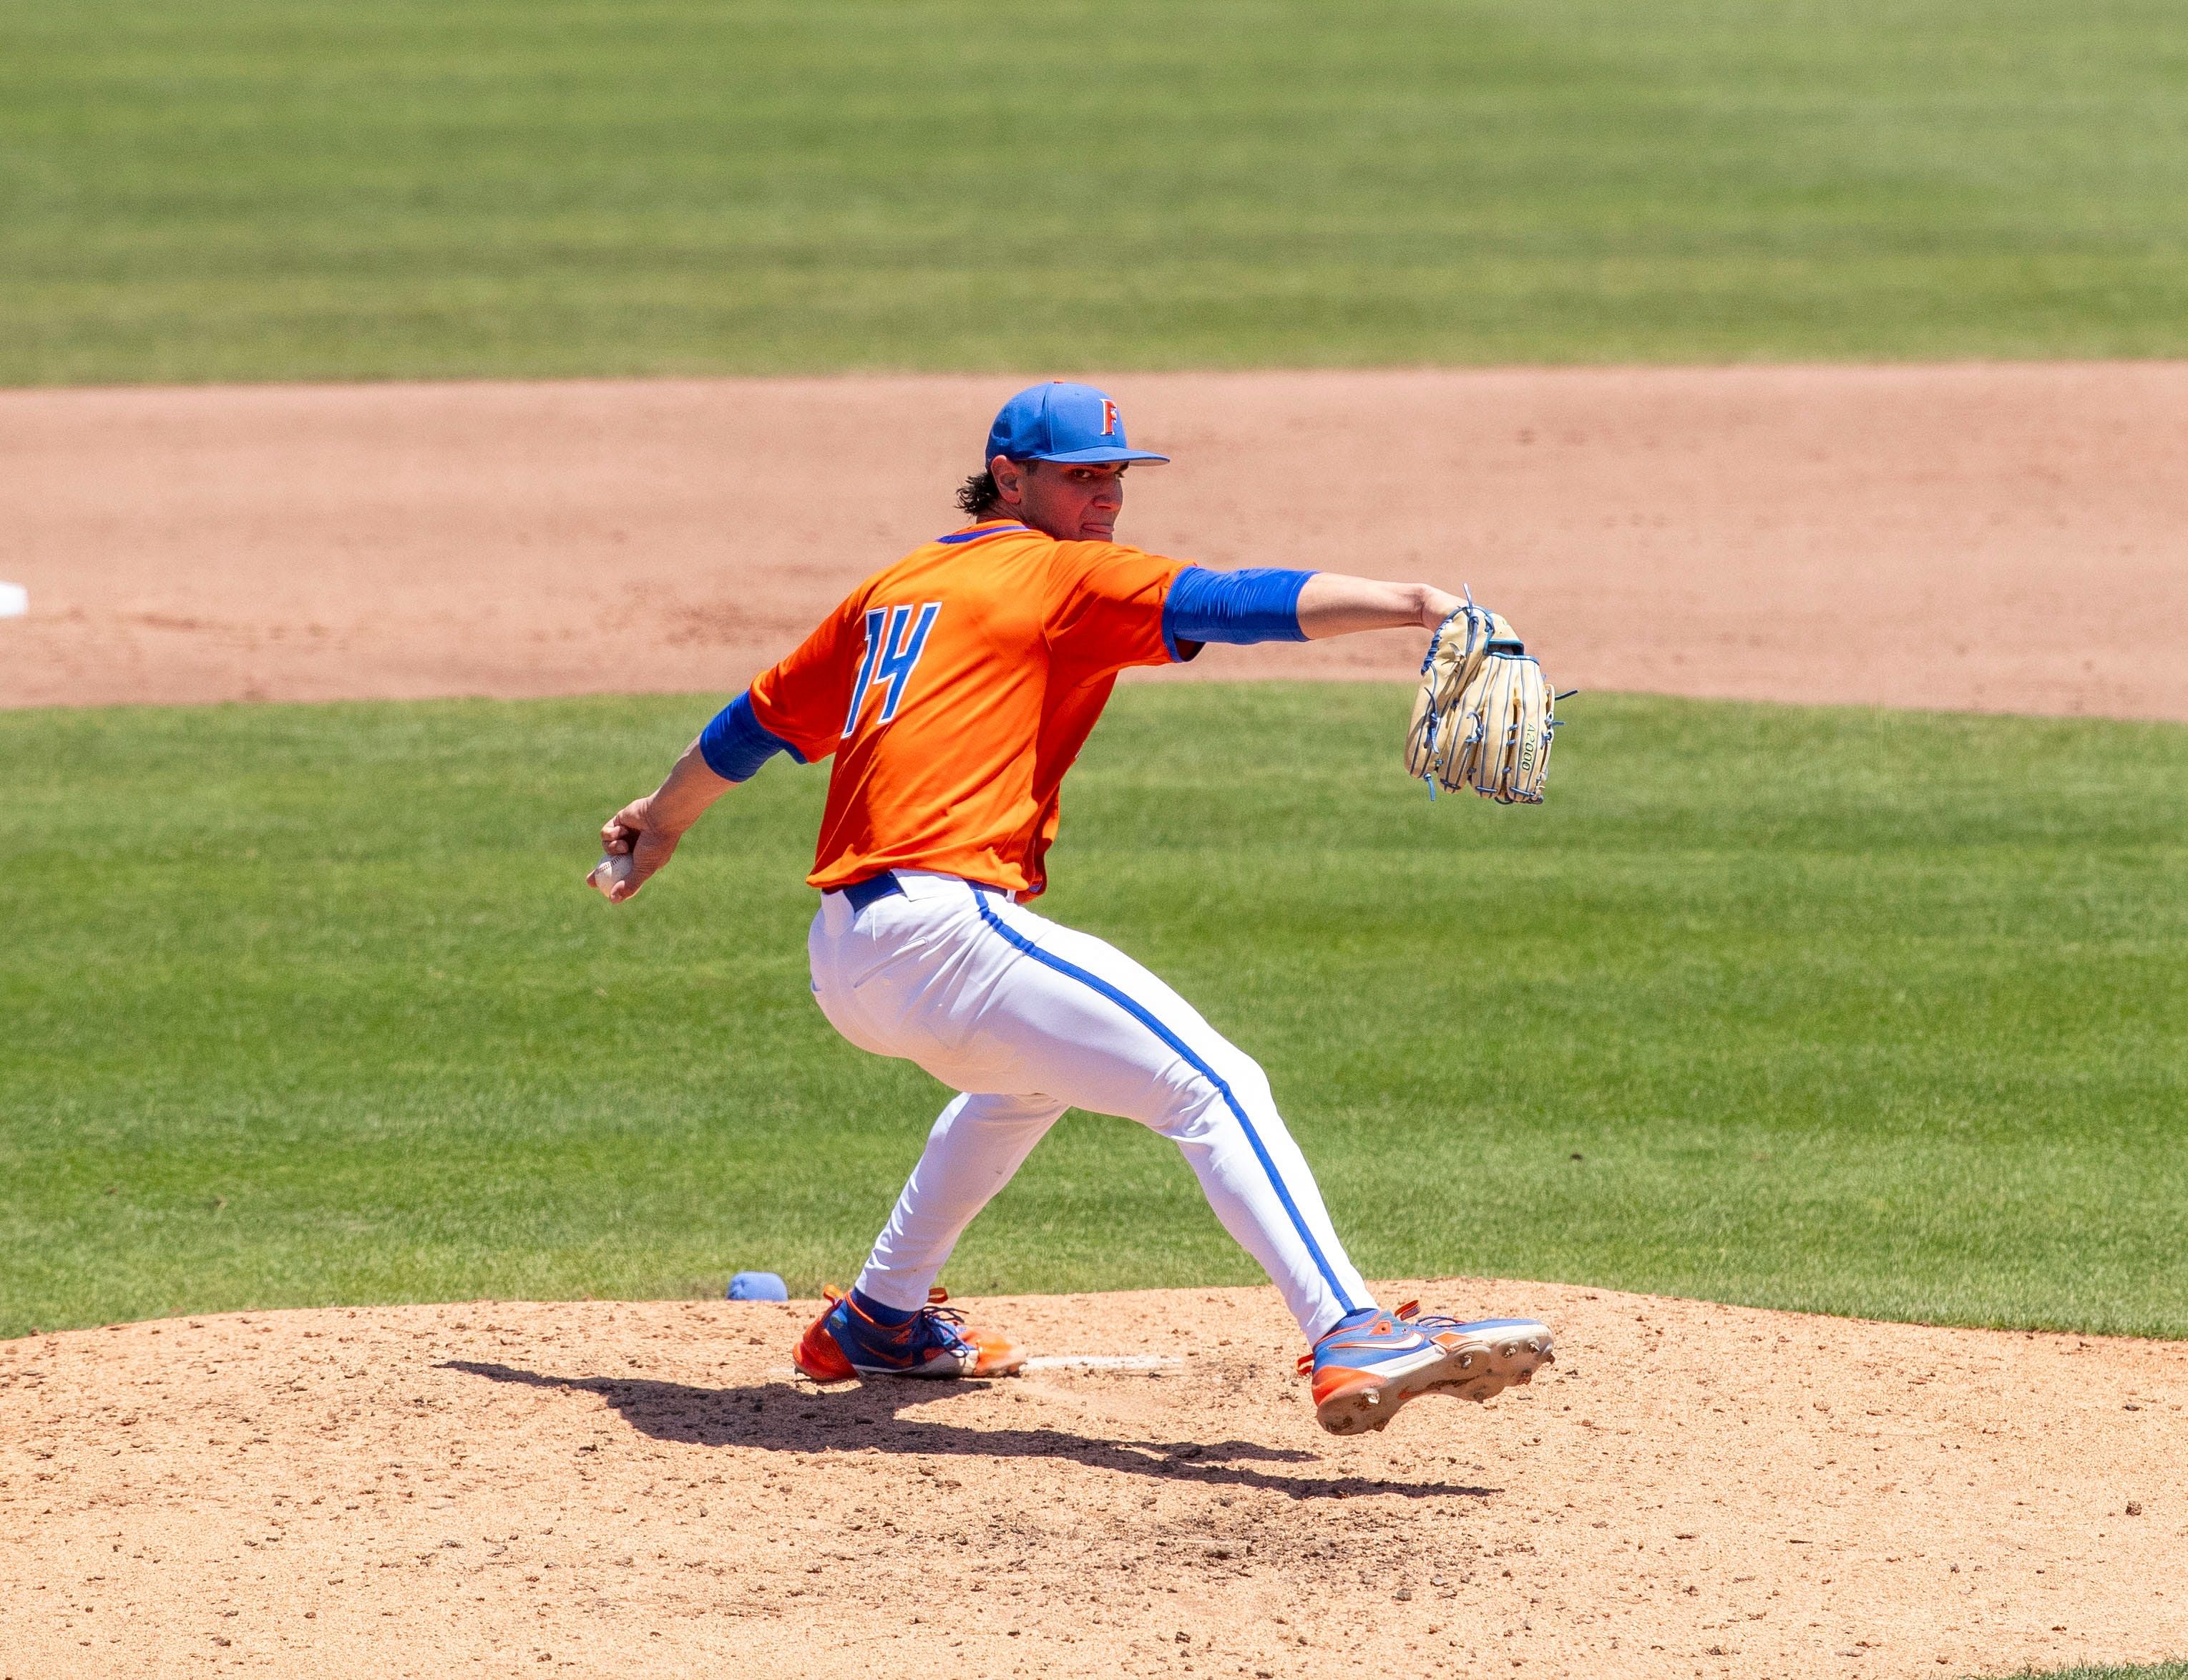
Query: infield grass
{"points": [[297, 189], [1861, 1012]]}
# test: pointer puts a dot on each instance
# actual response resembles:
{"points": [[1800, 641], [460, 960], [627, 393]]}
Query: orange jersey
{"points": [[954, 688]]}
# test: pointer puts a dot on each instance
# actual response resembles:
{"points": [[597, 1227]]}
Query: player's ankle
{"points": [[888, 1317]]}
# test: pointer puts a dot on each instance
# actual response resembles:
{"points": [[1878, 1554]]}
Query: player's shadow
{"points": [[785, 1418]]}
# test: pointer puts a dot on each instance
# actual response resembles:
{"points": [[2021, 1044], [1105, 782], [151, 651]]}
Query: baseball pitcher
{"points": [[953, 691]]}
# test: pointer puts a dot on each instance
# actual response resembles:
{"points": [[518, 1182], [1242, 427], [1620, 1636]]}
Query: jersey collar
{"points": [[980, 530]]}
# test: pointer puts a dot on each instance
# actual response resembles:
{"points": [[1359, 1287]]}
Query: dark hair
{"points": [[979, 496]]}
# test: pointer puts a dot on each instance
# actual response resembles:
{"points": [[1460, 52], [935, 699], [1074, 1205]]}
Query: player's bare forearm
{"points": [[647, 830], [1331, 604], [686, 792]]}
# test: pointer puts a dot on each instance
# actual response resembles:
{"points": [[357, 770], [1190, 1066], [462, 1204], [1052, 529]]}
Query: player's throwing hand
{"points": [[632, 833]]}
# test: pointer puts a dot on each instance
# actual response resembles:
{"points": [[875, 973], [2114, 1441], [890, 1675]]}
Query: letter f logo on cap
{"points": [[1060, 421]]}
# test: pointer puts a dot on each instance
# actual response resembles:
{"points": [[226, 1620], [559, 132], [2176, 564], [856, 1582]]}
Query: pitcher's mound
{"points": [[646, 1489]]}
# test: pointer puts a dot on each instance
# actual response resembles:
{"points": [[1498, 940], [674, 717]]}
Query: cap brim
{"points": [[1090, 457]]}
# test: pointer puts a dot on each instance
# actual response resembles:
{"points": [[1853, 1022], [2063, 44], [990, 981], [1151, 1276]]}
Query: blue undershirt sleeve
{"points": [[735, 744], [1258, 604]]}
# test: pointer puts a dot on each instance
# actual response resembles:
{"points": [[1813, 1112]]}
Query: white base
{"points": [[14, 600]]}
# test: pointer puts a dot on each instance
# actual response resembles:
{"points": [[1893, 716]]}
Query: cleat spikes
{"points": [[1363, 1376]]}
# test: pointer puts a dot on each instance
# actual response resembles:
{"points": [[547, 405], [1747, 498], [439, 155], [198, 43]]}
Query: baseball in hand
{"points": [[608, 874]]}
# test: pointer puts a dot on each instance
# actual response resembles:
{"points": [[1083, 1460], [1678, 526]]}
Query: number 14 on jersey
{"points": [[893, 645]]}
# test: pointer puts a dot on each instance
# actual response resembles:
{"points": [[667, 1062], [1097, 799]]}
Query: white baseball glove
{"points": [[1485, 715]]}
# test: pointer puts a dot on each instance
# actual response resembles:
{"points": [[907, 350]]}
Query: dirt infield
{"points": [[2001, 537], [636, 1490]]}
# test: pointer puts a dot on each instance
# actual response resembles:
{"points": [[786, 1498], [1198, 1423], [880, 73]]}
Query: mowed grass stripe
{"points": [[285, 189], [1858, 1012]]}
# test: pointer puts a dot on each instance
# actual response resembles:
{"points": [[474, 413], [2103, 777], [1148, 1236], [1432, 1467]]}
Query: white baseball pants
{"points": [[1028, 1018]]}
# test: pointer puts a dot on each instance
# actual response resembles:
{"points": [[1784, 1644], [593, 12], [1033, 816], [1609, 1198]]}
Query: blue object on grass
{"points": [[757, 1286]]}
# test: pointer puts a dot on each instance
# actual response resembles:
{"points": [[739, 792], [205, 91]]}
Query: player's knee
{"points": [[1251, 1085], [998, 1113], [1238, 1077], [1215, 1098]]}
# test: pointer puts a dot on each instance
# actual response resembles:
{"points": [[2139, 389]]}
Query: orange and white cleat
{"points": [[1364, 1372], [848, 1340]]}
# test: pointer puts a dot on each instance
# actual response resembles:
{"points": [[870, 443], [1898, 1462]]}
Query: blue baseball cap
{"points": [[1062, 422]]}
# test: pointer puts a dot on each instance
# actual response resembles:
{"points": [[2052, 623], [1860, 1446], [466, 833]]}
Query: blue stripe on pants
{"points": [[1139, 1012]]}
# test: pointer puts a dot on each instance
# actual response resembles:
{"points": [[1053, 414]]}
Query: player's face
{"points": [[1071, 502]]}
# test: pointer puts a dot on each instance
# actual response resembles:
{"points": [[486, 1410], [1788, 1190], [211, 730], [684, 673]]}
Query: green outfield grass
{"points": [[286, 188], [2164, 1671], [1868, 1013]]}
